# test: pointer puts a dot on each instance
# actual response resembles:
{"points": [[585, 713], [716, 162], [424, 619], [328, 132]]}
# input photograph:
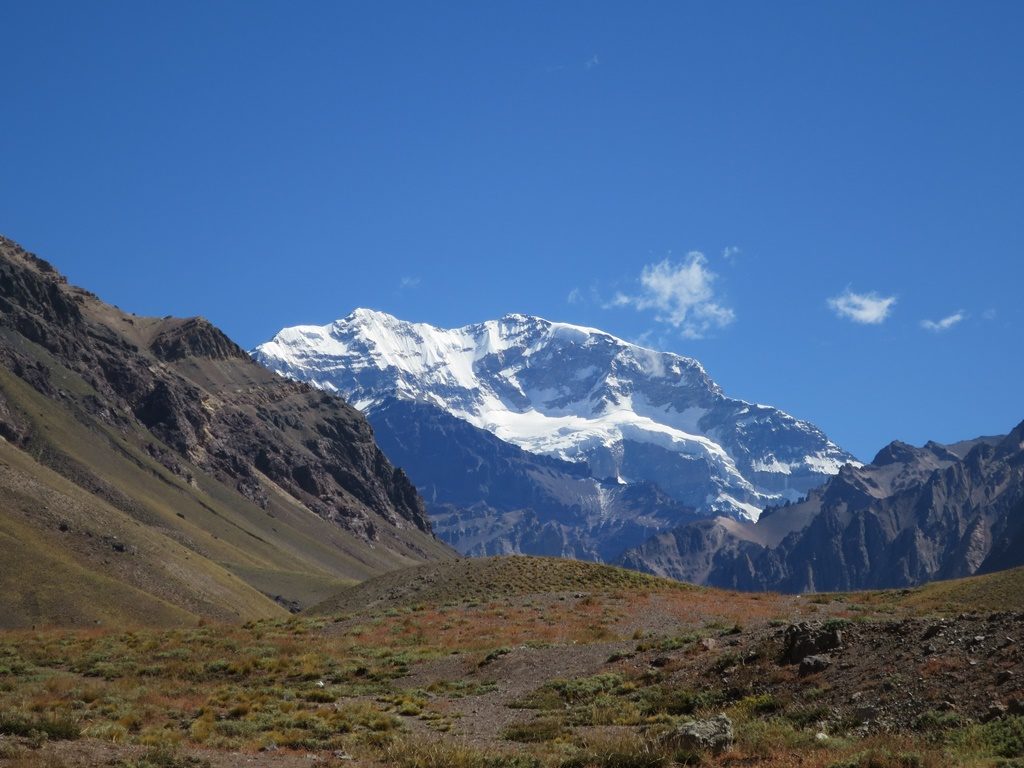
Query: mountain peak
{"points": [[363, 313], [12, 251], [896, 452], [193, 337], [574, 393], [518, 317]]}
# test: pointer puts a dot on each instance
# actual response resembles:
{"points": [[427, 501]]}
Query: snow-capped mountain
{"points": [[578, 394]]}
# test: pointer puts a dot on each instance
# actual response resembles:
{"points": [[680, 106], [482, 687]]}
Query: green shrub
{"points": [[578, 691], [933, 720], [163, 757], [836, 623], [998, 738], [626, 750], [761, 704], [541, 729], [53, 728], [807, 715], [407, 753], [668, 700]]}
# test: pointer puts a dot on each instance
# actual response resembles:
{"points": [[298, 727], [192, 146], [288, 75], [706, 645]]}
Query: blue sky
{"points": [[785, 191]]}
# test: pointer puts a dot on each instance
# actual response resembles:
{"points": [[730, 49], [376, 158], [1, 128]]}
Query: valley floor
{"points": [[525, 662]]}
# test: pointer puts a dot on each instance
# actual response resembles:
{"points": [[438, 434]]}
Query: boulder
{"points": [[807, 639], [714, 735], [995, 710], [811, 665]]}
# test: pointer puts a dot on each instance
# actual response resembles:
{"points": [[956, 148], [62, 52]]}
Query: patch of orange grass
{"points": [[883, 751], [700, 606], [588, 619], [493, 625]]}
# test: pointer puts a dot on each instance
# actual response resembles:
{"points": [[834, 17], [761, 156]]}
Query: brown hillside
{"points": [[149, 469]]}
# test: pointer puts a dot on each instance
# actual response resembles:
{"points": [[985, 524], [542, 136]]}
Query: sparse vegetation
{"points": [[545, 679]]}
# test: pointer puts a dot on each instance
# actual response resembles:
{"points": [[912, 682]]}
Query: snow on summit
{"points": [[572, 392]]}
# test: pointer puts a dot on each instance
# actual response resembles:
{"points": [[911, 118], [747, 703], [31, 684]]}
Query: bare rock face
{"points": [[13, 428]]}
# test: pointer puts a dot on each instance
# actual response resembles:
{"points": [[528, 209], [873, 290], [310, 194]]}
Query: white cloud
{"points": [[584, 295], [938, 326], [408, 282], [682, 293], [730, 252], [867, 308]]}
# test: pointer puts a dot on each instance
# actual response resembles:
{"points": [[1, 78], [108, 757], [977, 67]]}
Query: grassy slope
{"points": [[990, 592], [454, 581], [1002, 591], [193, 549], [35, 580], [489, 578], [157, 579]]}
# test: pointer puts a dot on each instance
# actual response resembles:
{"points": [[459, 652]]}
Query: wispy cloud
{"points": [[584, 295], [730, 252], [408, 282], [866, 308], [592, 63], [682, 294], [938, 326]]}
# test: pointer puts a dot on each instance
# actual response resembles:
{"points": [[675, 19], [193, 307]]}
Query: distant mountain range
{"points": [[912, 515], [531, 436], [151, 472]]}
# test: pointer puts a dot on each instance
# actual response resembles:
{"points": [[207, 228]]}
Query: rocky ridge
{"points": [[912, 515]]}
